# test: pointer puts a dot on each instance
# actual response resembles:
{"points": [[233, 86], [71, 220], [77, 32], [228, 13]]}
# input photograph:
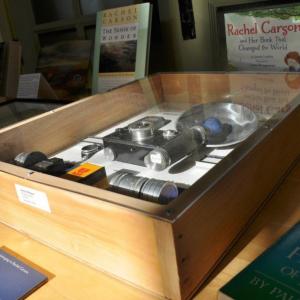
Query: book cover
{"points": [[65, 65], [121, 46], [10, 67], [2, 68], [273, 275], [264, 39], [17, 279]]}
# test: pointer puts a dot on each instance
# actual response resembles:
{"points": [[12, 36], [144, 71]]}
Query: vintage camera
{"points": [[143, 143], [38, 161]]}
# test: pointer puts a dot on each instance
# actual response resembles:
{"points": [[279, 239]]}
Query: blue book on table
{"points": [[17, 279]]}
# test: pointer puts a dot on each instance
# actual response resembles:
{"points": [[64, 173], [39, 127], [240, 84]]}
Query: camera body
{"points": [[143, 143]]}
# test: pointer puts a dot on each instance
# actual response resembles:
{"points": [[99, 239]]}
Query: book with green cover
{"points": [[122, 42], [273, 275]]}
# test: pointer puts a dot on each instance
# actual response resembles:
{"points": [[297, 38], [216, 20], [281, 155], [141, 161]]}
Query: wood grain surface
{"points": [[128, 243], [279, 215], [75, 281], [111, 238]]}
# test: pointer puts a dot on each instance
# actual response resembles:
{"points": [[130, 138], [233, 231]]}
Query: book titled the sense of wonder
{"points": [[121, 46], [273, 275], [17, 279]]}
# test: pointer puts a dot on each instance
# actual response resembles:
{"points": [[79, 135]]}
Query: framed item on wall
{"points": [[256, 35]]}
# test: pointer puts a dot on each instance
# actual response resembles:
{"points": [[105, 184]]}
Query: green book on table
{"points": [[122, 41], [273, 275]]}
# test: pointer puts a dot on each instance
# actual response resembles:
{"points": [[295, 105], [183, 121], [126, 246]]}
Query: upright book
{"points": [[10, 67], [17, 279], [65, 65], [273, 275], [264, 39], [121, 46]]}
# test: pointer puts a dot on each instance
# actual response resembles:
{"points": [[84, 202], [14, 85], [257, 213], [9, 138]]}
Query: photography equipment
{"points": [[89, 174], [143, 143], [237, 122], [153, 190], [38, 161], [53, 166], [27, 160], [89, 150]]}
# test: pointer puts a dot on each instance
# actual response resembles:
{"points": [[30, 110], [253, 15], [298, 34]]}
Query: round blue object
{"points": [[213, 125]]}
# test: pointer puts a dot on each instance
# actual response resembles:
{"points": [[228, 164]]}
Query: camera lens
{"points": [[154, 190], [131, 184], [89, 150], [127, 183], [157, 159], [159, 191]]}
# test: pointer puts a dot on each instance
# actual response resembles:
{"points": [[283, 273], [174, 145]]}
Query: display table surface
{"points": [[73, 280]]}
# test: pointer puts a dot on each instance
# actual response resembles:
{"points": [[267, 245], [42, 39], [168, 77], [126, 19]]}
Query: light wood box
{"points": [[168, 250]]}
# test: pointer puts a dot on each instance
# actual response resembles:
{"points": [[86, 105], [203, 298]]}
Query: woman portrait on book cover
{"points": [[292, 60]]}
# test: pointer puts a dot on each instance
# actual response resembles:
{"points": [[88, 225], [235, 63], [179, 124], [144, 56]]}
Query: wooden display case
{"points": [[168, 250], [15, 110]]}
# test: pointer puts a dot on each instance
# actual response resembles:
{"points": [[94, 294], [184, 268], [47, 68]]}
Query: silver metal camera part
{"points": [[158, 159], [89, 150], [153, 190], [141, 130], [200, 134], [169, 134], [159, 191], [127, 183], [109, 154]]}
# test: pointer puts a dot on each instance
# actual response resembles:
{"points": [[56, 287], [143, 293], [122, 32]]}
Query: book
{"points": [[264, 38], [34, 86], [65, 65], [2, 68], [17, 279], [122, 42], [275, 274], [10, 68]]}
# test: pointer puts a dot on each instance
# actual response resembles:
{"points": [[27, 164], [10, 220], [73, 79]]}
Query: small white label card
{"points": [[28, 87], [33, 197]]}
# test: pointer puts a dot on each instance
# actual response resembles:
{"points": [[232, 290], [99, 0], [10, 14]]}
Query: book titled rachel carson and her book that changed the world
{"points": [[264, 39], [273, 275], [121, 46], [17, 279]]}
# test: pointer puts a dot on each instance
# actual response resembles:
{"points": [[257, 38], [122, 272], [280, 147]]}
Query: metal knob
{"points": [[141, 130], [157, 159], [109, 154]]}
